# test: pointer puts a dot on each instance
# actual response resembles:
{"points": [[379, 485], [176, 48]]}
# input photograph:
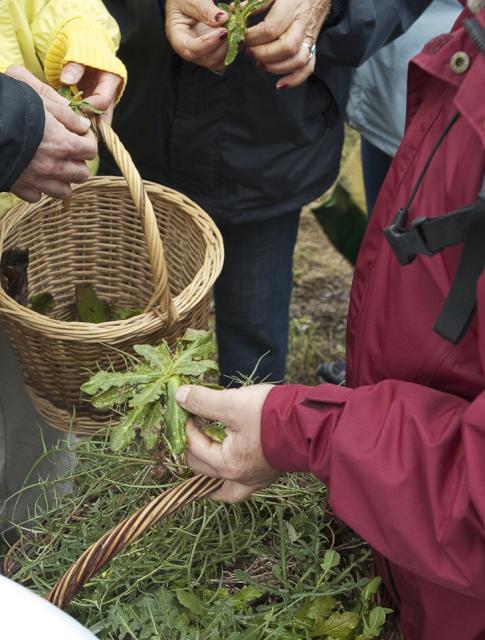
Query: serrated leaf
{"points": [[195, 368], [147, 394], [191, 602], [124, 433], [104, 380], [108, 399], [159, 357]]}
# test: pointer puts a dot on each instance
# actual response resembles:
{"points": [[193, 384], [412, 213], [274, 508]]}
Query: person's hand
{"points": [[282, 43], [66, 146], [195, 30], [239, 459], [100, 88]]}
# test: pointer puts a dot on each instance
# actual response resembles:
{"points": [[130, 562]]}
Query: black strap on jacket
{"points": [[428, 236]]}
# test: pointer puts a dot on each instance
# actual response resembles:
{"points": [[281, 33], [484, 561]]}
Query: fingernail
{"points": [[218, 17], [282, 86], [223, 35], [68, 78], [85, 121], [181, 394]]}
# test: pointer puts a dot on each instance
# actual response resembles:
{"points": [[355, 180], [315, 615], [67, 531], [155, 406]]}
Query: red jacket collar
{"points": [[437, 60]]}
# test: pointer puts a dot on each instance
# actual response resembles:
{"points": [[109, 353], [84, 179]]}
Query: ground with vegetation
{"points": [[322, 279]]}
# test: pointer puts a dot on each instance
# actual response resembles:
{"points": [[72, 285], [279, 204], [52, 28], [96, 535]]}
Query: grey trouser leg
{"points": [[23, 435]]}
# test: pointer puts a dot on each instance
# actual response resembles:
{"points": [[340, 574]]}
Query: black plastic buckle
{"points": [[407, 242]]}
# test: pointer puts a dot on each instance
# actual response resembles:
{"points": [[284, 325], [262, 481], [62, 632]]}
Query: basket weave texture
{"points": [[108, 235]]}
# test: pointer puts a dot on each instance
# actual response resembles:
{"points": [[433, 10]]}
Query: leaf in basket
{"points": [[190, 601], [42, 302], [13, 267], [89, 307], [152, 424], [124, 433], [370, 589], [338, 626], [123, 313], [374, 621]]}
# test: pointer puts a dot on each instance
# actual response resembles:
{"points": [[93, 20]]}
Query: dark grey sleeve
{"points": [[358, 28], [22, 120]]}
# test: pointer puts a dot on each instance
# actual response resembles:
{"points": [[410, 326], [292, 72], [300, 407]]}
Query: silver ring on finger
{"points": [[312, 49]]}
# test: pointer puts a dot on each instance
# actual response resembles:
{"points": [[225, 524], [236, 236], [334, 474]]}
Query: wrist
{"points": [[86, 42]]}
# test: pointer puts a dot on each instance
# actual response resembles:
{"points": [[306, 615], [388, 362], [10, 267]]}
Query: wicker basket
{"points": [[121, 536], [108, 235]]}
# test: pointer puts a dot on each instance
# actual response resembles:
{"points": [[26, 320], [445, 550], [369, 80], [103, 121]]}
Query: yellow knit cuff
{"points": [[88, 43]]}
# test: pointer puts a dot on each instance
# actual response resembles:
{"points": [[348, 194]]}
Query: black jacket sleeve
{"points": [[22, 121], [359, 28]]}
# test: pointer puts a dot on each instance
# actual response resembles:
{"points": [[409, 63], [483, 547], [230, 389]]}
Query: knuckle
{"points": [[292, 47], [271, 30]]}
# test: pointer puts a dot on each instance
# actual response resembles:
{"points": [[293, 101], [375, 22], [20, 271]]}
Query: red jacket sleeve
{"points": [[405, 468]]}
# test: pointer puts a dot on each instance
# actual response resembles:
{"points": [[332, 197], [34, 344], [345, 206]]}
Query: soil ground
{"points": [[322, 279]]}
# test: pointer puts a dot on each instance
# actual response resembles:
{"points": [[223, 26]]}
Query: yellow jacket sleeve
{"points": [[79, 31]]}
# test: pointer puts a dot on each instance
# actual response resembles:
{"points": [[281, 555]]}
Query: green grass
{"points": [[278, 566]]}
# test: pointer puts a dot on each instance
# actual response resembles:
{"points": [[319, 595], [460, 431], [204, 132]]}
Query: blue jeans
{"points": [[375, 164], [252, 298]]}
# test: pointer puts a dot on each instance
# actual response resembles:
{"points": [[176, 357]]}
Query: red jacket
{"points": [[402, 449]]}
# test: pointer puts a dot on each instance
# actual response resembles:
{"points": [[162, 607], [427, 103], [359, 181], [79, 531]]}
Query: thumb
{"points": [[72, 73], [66, 116], [207, 403], [206, 11]]}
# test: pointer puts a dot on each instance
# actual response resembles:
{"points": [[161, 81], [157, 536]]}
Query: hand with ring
{"points": [[284, 42]]}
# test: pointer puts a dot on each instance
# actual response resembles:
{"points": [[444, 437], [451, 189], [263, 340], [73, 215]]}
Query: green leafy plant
{"points": [[76, 102], [145, 394], [237, 25]]}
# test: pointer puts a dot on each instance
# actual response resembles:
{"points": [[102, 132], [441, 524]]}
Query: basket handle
{"points": [[126, 532], [156, 255]]}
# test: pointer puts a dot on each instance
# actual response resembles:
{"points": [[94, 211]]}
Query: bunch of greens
{"points": [[144, 395], [237, 25], [275, 567]]}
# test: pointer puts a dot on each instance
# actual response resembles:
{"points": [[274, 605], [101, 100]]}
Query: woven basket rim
{"points": [[117, 330]]}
